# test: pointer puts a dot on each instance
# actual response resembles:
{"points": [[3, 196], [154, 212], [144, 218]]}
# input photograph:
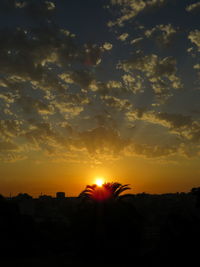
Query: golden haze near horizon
{"points": [[50, 178]]}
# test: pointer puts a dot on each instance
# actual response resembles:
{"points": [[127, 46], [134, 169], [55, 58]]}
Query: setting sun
{"points": [[99, 181]]}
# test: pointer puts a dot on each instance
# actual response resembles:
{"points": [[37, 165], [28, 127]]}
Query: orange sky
{"points": [[143, 175]]}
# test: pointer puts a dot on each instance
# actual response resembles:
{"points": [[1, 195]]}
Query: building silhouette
{"points": [[60, 195]]}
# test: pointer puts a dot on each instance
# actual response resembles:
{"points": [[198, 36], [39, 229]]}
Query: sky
{"points": [[99, 88]]}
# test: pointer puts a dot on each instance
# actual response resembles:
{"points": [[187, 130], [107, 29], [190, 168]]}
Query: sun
{"points": [[99, 181]]}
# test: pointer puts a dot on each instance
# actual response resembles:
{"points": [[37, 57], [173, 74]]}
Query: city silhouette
{"points": [[119, 230]]}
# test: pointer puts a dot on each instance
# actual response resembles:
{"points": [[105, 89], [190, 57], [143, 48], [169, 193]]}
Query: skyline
{"points": [[104, 88], [53, 194]]}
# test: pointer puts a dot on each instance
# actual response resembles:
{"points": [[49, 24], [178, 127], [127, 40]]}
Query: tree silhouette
{"points": [[106, 216], [108, 191]]}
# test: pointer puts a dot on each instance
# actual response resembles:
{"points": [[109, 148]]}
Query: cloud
{"points": [[193, 7], [31, 105], [7, 146], [45, 137], [68, 98], [70, 110], [20, 4], [7, 97], [154, 151], [194, 37], [11, 157], [91, 55], [82, 78], [136, 40], [66, 77], [196, 66], [10, 128], [114, 84], [117, 103], [133, 83], [184, 126], [106, 120], [107, 46], [27, 53], [31, 54], [131, 9], [163, 34], [169, 120], [160, 72], [103, 140], [106, 88], [123, 37]]}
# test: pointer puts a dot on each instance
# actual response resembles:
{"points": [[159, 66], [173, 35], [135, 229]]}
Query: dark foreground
{"points": [[136, 230]]}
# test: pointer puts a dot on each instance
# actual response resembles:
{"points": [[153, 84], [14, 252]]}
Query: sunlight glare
{"points": [[99, 181]]}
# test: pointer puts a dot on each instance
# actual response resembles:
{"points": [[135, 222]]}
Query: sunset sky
{"points": [[99, 88]]}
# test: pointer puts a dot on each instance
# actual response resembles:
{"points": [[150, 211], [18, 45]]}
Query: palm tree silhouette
{"points": [[108, 191], [106, 214], [101, 198]]}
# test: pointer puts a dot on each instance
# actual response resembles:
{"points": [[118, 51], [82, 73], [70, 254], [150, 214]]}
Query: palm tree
{"points": [[101, 198], [106, 218], [108, 191]]}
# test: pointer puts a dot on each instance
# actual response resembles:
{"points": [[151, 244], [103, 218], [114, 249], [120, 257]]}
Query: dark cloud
{"points": [[7, 146], [155, 151], [29, 105], [184, 126], [103, 140], [10, 128]]}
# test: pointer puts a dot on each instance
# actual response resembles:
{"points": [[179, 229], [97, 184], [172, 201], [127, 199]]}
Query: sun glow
{"points": [[99, 181]]}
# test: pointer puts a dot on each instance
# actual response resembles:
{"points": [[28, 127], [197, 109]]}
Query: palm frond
{"points": [[110, 190], [121, 189]]}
